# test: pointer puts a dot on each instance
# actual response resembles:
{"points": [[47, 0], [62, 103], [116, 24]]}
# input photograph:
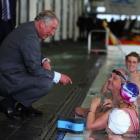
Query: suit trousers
{"points": [[24, 88]]}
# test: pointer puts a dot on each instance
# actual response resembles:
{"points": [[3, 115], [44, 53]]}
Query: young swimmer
{"points": [[106, 96], [123, 108], [131, 62]]}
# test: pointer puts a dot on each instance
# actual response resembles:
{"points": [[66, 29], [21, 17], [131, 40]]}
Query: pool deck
{"points": [[67, 57]]}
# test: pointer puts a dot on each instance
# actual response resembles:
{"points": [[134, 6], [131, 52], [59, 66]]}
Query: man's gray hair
{"points": [[46, 15]]}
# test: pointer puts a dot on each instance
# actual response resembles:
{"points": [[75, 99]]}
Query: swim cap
{"points": [[129, 92], [119, 121]]}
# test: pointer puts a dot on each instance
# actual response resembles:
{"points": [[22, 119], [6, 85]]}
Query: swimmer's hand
{"points": [[108, 103]]}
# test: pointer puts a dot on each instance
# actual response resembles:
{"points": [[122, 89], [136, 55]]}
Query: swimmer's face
{"points": [[132, 64], [114, 83]]}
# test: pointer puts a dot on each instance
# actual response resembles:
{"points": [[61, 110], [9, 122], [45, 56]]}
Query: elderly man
{"points": [[25, 76]]}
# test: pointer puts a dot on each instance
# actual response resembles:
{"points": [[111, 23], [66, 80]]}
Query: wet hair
{"points": [[134, 54], [46, 15]]}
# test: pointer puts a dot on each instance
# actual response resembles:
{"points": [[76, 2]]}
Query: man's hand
{"points": [[46, 65], [65, 79]]}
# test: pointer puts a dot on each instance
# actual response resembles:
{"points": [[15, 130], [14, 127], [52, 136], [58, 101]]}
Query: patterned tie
{"points": [[5, 10]]}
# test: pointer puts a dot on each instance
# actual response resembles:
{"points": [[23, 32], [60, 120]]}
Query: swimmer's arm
{"points": [[92, 112], [99, 123], [94, 123]]}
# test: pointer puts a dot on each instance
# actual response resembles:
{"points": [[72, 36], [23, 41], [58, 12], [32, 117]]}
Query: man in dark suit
{"points": [[7, 17], [25, 76]]}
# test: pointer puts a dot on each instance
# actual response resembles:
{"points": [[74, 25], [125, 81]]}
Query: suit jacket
{"points": [[20, 57]]}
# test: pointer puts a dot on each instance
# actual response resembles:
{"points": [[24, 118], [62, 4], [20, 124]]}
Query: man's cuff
{"points": [[57, 77]]}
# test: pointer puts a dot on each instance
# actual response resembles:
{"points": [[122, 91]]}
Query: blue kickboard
{"points": [[74, 125]]}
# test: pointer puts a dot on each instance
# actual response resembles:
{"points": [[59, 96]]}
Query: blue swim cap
{"points": [[129, 92]]}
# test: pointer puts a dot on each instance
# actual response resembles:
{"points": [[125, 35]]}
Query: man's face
{"points": [[48, 30], [132, 64]]}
